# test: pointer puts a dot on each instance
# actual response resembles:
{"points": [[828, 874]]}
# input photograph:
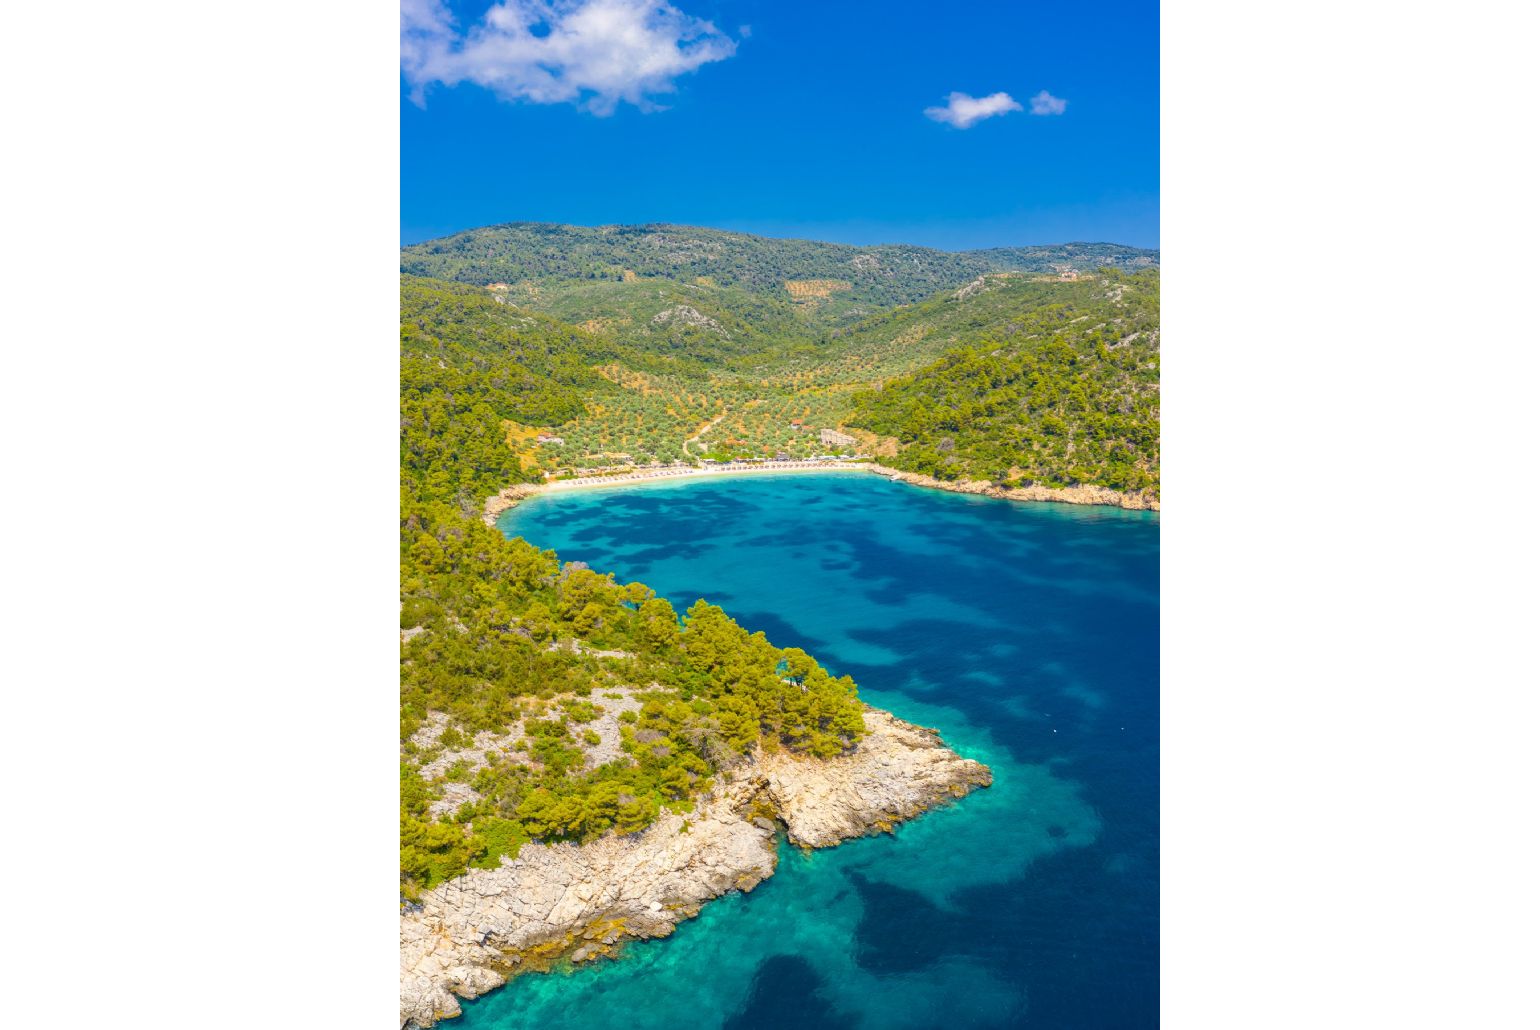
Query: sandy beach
{"points": [[513, 495], [682, 472], [1091, 495]]}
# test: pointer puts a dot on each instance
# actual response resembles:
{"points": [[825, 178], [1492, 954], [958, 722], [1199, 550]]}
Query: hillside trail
{"points": [[702, 431]]}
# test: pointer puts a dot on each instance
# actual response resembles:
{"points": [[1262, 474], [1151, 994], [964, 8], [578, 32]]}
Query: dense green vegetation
{"points": [[500, 635], [1050, 383], [545, 701], [701, 322], [468, 365], [873, 277]]}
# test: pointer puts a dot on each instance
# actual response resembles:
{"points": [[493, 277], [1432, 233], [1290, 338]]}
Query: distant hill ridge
{"points": [[879, 275]]}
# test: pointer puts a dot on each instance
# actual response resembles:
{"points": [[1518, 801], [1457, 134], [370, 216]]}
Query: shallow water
{"points": [[1026, 633]]}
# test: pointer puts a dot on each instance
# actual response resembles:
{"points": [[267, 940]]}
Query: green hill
{"points": [[1050, 382], [704, 323], [835, 277], [468, 365]]}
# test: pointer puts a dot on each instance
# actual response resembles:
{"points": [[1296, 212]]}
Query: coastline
{"points": [[554, 905], [511, 496], [1129, 501], [650, 475]]}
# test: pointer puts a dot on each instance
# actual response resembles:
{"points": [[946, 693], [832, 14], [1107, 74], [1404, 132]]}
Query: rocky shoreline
{"points": [[506, 498], [1133, 501], [578, 903]]}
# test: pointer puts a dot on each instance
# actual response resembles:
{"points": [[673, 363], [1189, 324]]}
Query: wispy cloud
{"points": [[1047, 103], [962, 110], [597, 53]]}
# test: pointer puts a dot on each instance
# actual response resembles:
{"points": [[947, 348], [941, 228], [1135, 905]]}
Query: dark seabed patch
{"points": [[786, 994]]}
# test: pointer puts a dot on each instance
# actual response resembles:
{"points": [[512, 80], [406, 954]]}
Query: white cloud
{"points": [[962, 110], [594, 52], [1047, 103]]}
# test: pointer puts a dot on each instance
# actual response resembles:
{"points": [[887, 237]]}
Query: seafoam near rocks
{"points": [[579, 902]]}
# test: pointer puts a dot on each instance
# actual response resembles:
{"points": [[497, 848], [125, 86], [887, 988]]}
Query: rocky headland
{"points": [[569, 902]]}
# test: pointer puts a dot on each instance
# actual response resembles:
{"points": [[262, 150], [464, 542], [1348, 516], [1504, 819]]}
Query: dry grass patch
{"points": [[815, 289], [520, 439]]}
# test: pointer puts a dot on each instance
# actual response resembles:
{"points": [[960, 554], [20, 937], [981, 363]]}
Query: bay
{"points": [[1028, 635]]}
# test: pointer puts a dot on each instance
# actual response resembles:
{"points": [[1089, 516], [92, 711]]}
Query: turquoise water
{"points": [[1026, 633]]}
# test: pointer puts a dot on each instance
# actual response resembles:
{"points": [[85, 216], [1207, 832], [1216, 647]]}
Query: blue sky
{"points": [[785, 118]]}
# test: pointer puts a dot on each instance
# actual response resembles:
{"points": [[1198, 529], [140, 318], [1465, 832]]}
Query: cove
{"points": [[1027, 633]]}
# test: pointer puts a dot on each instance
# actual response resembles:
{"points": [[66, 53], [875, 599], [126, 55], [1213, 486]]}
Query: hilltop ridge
{"points": [[865, 277]]}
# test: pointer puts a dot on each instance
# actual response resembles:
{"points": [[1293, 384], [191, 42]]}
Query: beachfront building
{"points": [[835, 438]]}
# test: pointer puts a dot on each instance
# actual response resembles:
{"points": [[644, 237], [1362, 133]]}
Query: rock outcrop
{"points": [[506, 498], [683, 314], [566, 901], [898, 771], [1137, 501]]}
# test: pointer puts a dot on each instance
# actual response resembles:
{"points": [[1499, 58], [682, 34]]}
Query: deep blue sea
{"points": [[1026, 633]]}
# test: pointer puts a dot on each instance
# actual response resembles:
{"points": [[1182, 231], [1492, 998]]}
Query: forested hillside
{"points": [[468, 366], [808, 273], [541, 700], [1053, 383], [611, 372], [716, 326]]}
